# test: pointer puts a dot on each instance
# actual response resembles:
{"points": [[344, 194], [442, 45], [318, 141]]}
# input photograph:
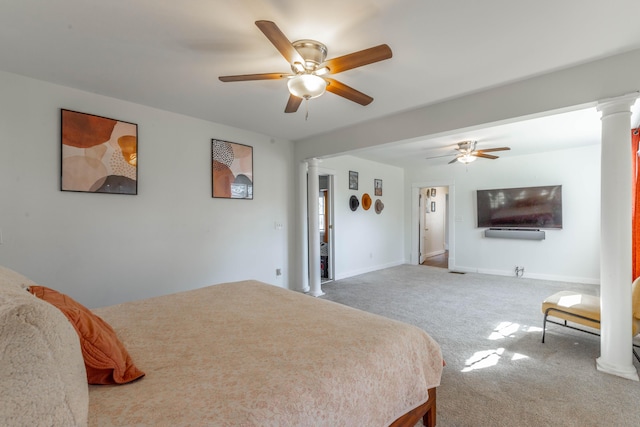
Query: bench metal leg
{"points": [[545, 320]]}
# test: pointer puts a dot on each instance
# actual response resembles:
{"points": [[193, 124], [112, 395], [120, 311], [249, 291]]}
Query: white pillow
{"points": [[43, 381], [13, 279]]}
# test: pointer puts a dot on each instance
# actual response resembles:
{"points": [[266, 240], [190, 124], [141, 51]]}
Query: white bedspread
{"points": [[251, 354]]}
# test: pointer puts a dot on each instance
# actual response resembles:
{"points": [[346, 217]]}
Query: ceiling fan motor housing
{"points": [[313, 52], [467, 146]]}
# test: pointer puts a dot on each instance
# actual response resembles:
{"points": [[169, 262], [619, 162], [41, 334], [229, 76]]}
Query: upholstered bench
{"points": [[573, 307], [584, 310]]}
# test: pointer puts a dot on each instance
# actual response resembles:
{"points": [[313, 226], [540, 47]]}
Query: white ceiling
{"points": [[168, 54]]}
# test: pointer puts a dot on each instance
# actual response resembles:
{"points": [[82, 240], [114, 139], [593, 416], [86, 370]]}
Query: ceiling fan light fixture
{"points": [[467, 158], [307, 86]]}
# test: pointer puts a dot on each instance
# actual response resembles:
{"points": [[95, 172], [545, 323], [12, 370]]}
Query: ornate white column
{"points": [[313, 188], [302, 258], [616, 355]]}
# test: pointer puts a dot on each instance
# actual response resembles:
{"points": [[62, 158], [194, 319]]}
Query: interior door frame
{"points": [[415, 220], [422, 202]]}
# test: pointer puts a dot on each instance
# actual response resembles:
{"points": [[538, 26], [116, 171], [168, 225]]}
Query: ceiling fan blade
{"points": [[292, 104], [246, 77], [348, 92], [280, 41], [486, 156], [438, 157], [454, 160], [489, 150], [358, 59]]}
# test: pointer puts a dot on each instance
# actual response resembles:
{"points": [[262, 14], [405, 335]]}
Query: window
{"points": [[321, 210]]}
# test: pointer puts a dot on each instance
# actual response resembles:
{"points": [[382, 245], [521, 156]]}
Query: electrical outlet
{"points": [[278, 272]]}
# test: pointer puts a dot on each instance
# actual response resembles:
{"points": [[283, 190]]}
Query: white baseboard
{"points": [[538, 276], [352, 273], [463, 269]]}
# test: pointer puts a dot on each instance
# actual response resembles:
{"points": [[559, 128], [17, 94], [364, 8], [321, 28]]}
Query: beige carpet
{"points": [[498, 372]]}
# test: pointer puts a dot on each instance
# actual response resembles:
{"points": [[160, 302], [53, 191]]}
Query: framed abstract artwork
{"points": [[231, 170], [98, 154]]}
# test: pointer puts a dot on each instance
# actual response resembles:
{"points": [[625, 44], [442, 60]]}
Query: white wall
{"points": [[103, 248], [364, 240], [571, 254]]}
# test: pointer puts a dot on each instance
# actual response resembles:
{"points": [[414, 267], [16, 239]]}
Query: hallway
{"points": [[441, 261]]}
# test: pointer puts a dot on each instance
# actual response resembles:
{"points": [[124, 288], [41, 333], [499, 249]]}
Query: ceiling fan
{"points": [[467, 152], [309, 68]]}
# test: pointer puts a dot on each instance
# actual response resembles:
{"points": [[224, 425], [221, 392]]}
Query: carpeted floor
{"points": [[498, 372]]}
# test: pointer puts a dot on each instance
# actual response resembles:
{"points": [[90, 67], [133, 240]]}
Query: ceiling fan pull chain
{"points": [[306, 107]]}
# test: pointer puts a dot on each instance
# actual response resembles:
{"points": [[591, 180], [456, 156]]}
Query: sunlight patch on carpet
{"points": [[483, 359], [504, 330]]}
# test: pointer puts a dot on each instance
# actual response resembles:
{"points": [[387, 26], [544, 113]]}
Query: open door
{"points": [[434, 224]]}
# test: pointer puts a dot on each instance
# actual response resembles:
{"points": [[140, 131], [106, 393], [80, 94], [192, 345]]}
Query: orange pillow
{"points": [[105, 358]]}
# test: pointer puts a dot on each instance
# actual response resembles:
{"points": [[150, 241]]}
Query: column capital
{"points": [[314, 161], [619, 104]]}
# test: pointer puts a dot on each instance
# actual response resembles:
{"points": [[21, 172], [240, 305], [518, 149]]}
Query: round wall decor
{"points": [[379, 206], [353, 203], [366, 201]]}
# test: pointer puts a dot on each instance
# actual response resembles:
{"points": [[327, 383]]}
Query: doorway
{"points": [[433, 226], [325, 216]]}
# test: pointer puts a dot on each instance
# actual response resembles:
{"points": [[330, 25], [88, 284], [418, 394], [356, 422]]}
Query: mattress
{"points": [[251, 354]]}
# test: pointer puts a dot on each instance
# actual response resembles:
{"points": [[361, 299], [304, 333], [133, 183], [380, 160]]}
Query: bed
{"points": [[251, 354]]}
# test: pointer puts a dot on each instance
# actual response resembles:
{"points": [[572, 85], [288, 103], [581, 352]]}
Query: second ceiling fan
{"points": [[309, 68], [467, 152]]}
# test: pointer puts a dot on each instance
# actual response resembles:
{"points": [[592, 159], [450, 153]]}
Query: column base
{"points": [[628, 372], [317, 293]]}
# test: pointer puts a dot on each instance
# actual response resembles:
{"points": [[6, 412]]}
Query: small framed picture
{"points": [[433, 206], [377, 187], [353, 180], [433, 192]]}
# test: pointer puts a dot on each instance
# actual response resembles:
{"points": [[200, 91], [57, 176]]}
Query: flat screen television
{"points": [[525, 207]]}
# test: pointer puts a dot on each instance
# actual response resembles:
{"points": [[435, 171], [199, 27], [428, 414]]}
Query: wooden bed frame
{"points": [[426, 411]]}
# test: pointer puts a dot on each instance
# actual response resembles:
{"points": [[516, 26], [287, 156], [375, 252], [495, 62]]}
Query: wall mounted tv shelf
{"points": [[515, 233]]}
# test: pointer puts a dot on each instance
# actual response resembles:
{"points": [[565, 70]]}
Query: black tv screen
{"points": [[526, 207]]}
